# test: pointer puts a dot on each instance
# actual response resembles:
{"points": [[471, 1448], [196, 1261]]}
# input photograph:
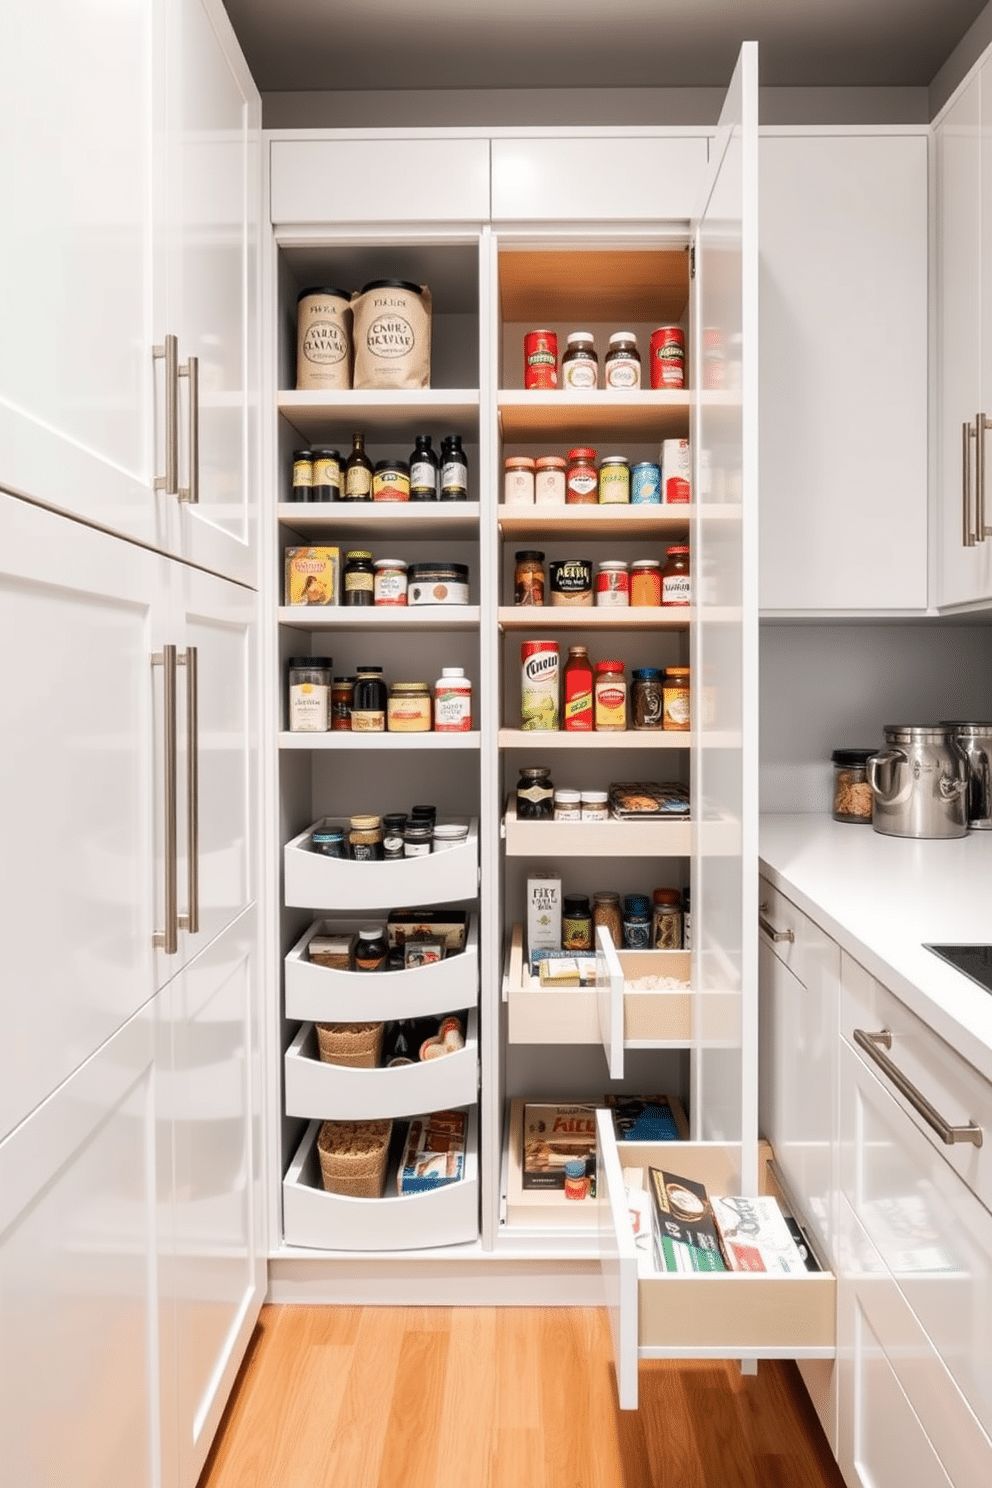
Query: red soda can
{"points": [[540, 359], [668, 357]]}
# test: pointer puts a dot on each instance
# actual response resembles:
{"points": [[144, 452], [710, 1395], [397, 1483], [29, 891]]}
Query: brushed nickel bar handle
{"points": [[191, 371], [191, 919], [168, 939], [169, 352], [874, 1045], [967, 535], [769, 929], [981, 424]]}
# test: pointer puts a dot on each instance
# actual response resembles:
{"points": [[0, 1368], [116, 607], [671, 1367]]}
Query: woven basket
{"points": [[353, 1157], [355, 1044]]}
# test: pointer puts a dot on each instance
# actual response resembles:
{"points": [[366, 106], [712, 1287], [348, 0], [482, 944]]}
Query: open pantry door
{"points": [[724, 645]]}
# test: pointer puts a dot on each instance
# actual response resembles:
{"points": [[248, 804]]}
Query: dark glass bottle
{"points": [[454, 469], [576, 923], [359, 577], [424, 471], [535, 794], [357, 472], [368, 708]]}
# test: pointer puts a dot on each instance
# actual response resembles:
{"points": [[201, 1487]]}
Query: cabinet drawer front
{"points": [[932, 1234], [381, 180], [955, 1088], [597, 179], [901, 1417], [807, 950], [718, 1316]]}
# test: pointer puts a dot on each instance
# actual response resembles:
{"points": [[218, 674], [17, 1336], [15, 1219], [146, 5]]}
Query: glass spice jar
{"points": [[610, 698], [675, 579], [595, 805], [568, 804], [581, 480], [309, 694], [528, 578], [359, 578], [645, 582], [852, 793], [418, 836], [342, 696], [549, 480], [389, 581], [329, 841], [647, 698], [365, 839], [606, 911], [535, 794], [666, 920], [576, 922], [518, 480], [636, 923], [372, 949]]}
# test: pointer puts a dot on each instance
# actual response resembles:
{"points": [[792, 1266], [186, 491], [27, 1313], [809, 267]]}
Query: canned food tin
{"points": [[540, 359], [570, 581], [645, 484], [668, 357], [438, 583], [539, 667], [614, 481], [613, 584]]}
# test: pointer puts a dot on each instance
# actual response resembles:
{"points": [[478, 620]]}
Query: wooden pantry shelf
{"points": [[375, 520], [613, 521], [397, 415], [595, 617], [593, 284], [659, 837], [516, 738], [567, 416], [379, 617]]}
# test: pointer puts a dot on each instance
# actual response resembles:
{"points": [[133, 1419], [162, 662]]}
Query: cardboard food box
{"points": [[434, 1152], [543, 912], [336, 951], [686, 1233], [313, 576], [755, 1236], [553, 1135], [447, 925], [648, 1118]]}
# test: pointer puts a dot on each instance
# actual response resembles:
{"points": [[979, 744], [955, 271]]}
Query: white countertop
{"points": [[882, 899]]}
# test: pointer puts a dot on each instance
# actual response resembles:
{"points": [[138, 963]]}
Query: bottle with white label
{"points": [[452, 702], [424, 472], [675, 580], [454, 469]]}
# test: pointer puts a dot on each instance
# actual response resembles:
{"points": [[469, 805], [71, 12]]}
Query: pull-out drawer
{"points": [[311, 880], [724, 1315], [793, 937]]}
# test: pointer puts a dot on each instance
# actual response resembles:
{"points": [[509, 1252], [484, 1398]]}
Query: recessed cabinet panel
{"points": [[609, 178], [380, 180]]}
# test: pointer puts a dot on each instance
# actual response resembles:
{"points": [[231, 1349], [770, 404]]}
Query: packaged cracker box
{"points": [[313, 576], [543, 912], [686, 1232], [553, 1135], [755, 1236]]}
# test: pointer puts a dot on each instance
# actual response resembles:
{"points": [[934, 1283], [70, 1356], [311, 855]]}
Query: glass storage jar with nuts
{"points": [[852, 793]]}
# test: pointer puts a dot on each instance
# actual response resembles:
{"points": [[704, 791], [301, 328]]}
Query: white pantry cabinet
{"points": [[844, 383], [132, 214], [962, 500]]}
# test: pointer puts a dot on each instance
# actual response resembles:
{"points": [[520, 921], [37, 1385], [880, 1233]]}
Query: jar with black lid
{"points": [[372, 949], [391, 481], [580, 364], [393, 824], [369, 701], [454, 469], [852, 793], [418, 835], [637, 922], [326, 475], [302, 475], [576, 922], [647, 698], [359, 578], [331, 842], [424, 470], [535, 794]]}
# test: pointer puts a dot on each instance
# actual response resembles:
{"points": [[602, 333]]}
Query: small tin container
{"points": [[645, 484], [668, 357], [448, 835], [540, 359], [614, 481], [437, 584], [613, 584], [570, 581], [549, 480], [389, 581]]}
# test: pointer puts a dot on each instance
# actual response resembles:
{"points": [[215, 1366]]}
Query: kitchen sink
{"points": [[975, 961]]}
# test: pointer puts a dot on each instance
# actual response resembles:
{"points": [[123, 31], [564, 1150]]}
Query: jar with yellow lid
{"points": [[408, 710]]}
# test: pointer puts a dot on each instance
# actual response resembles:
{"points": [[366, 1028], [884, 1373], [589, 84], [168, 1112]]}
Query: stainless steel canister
{"points": [[919, 783], [975, 742]]}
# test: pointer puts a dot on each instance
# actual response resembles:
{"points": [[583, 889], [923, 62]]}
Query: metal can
{"points": [[614, 481], [539, 667], [540, 359], [668, 357], [613, 583], [570, 581], [645, 483]]}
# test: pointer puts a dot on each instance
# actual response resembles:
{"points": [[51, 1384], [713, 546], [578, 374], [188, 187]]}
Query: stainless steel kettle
{"points": [[975, 742], [919, 783]]}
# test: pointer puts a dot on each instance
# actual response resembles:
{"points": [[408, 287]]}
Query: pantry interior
{"points": [[811, 647]]}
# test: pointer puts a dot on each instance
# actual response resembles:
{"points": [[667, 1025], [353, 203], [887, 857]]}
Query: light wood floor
{"points": [[342, 1397]]}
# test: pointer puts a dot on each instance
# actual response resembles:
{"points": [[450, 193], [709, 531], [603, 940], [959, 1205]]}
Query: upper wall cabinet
{"points": [[381, 180], [843, 351], [131, 217], [606, 177], [962, 502]]}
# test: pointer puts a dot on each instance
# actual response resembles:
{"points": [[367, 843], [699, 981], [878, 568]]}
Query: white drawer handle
{"points": [[769, 929], [874, 1045]]}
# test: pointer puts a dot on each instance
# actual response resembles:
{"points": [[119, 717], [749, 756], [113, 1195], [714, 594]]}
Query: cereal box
{"points": [[543, 912], [312, 576], [552, 1136]]}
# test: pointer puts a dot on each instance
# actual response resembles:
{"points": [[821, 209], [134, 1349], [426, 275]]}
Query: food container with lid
{"points": [[919, 783], [852, 793]]}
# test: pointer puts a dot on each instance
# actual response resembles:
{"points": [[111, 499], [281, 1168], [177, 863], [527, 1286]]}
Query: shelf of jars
{"points": [[374, 520], [345, 740], [564, 415], [544, 739], [311, 879], [373, 618], [588, 617], [581, 839], [616, 521], [396, 413]]}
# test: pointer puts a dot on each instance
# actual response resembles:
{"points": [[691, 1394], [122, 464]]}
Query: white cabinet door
{"points": [[382, 180], [844, 391], [724, 643], [606, 178], [963, 559], [78, 1242], [208, 1099], [211, 212], [77, 99], [82, 614]]}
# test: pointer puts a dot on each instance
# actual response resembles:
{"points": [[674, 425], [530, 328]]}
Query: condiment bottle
{"points": [[580, 364], [622, 368], [675, 581], [357, 472], [368, 707], [610, 697], [454, 469], [302, 475], [424, 472], [578, 709], [453, 702], [581, 481]]}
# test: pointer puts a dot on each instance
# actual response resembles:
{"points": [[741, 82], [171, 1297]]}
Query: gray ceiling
{"points": [[385, 45]]}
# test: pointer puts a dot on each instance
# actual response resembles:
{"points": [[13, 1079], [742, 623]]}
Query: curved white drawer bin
{"points": [[323, 1221], [320, 994], [315, 881], [340, 1092]]}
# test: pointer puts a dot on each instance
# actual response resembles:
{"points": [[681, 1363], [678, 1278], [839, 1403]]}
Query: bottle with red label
{"points": [[675, 578], [578, 691]]}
